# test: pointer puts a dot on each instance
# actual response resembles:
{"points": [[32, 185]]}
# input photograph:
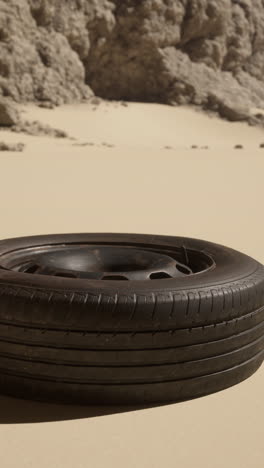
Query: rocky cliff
{"points": [[209, 53]]}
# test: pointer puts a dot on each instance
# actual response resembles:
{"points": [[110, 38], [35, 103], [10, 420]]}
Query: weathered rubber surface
{"points": [[130, 340], [124, 357], [56, 371], [125, 342], [124, 394]]}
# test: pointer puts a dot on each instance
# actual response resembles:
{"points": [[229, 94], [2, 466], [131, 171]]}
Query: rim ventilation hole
{"points": [[183, 269], [117, 278], [159, 275], [30, 269]]}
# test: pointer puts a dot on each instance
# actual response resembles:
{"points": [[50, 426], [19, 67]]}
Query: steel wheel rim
{"points": [[109, 261]]}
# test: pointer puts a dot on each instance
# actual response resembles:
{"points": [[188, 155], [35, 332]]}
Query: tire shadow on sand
{"points": [[18, 411]]}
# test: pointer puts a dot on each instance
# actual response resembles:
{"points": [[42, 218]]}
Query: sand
{"points": [[131, 168]]}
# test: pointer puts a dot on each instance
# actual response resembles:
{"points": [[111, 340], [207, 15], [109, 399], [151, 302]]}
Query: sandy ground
{"points": [[131, 169]]}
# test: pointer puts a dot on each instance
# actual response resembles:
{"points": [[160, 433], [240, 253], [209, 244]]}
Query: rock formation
{"points": [[208, 53]]}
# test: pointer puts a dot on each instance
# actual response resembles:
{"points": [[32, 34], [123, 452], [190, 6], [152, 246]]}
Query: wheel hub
{"points": [[101, 262]]}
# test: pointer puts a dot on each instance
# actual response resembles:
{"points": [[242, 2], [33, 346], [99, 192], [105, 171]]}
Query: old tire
{"points": [[73, 335]]}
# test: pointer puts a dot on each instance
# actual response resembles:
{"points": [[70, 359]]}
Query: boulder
{"points": [[9, 115]]}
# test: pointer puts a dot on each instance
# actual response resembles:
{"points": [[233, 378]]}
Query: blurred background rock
{"points": [[206, 53]]}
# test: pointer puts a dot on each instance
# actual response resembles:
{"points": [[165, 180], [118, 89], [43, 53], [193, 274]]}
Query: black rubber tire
{"points": [[232, 289], [118, 342], [128, 357], [124, 394], [124, 374]]}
